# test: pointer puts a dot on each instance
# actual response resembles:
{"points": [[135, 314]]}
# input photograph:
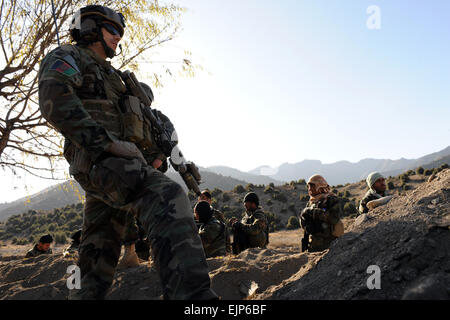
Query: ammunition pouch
{"points": [[132, 119], [78, 158]]}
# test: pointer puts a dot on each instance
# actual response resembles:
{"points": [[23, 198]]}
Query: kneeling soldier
{"points": [[211, 231], [253, 229]]}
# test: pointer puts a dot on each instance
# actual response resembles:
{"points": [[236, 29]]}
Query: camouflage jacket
{"points": [[256, 228], [36, 252], [323, 214], [219, 216], [369, 196], [80, 94], [213, 237]]}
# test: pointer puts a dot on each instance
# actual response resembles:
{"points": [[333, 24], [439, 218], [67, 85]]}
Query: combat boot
{"points": [[130, 258]]}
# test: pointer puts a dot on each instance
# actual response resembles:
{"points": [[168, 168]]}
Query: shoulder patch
{"points": [[63, 67]]}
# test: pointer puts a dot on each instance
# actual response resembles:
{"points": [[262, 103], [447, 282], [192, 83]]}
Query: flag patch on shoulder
{"points": [[63, 67]]}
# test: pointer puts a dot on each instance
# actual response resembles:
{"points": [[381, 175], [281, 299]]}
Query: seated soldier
{"points": [[43, 247], [211, 230], [206, 196], [75, 245], [376, 195], [253, 229], [320, 219]]}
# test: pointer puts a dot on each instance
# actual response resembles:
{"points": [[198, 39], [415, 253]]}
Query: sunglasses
{"points": [[111, 29]]}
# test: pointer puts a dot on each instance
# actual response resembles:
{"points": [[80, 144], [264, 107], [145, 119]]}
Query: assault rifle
{"points": [[164, 136]]}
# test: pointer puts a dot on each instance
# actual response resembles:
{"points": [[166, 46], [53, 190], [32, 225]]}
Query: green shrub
{"points": [[269, 202], [347, 194], [269, 189], [390, 185], [239, 189], [404, 178], [420, 170], [302, 181], [60, 237], [406, 187], [349, 208], [250, 187], [444, 166], [428, 172], [226, 197], [292, 223], [292, 208], [216, 192], [280, 197]]}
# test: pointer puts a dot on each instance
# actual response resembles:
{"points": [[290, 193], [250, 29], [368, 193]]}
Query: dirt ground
{"points": [[408, 239]]}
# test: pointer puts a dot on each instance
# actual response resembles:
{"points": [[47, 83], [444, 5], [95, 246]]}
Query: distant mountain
{"points": [[53, 197], [249, 177], [226, 178], [71, 192], [347, 172]]}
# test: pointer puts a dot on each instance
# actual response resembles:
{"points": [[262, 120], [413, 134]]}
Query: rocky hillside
{"points": [[408, 240], [281, 203]]}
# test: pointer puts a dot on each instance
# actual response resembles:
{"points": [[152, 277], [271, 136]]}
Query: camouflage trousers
{"points": [[131, 230], [117, 186], [319, 243]]}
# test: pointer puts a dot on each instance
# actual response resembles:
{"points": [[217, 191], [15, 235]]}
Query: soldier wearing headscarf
{"points": [[320, 219]]}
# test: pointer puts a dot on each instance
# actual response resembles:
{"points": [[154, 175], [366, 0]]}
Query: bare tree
{"points": [[27, 34]]}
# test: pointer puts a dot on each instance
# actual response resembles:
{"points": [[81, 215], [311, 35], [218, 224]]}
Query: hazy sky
{"points": [[288, 80]]}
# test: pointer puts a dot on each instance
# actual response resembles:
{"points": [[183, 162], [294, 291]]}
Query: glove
{"points": [[125, 149]]}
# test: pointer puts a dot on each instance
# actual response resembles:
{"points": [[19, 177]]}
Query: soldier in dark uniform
{"points": [[42, 247], [320, 219], [113, 155], [206, 196], [253, 229], [211, 231], [75, 245], [376, 195]]}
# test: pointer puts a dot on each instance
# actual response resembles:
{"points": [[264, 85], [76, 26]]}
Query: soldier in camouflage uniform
{"points": [[112, 154], [74, 246], [320, 219], [211, 231], [206, 196], [42, 247], [376, 195], [253, 229]]}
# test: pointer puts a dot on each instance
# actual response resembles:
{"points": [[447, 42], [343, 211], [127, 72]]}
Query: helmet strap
{"points": [[110, 53]]}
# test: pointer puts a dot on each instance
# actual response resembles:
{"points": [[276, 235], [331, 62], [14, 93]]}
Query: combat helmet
{"points": [[251, 197], [87, 23]]}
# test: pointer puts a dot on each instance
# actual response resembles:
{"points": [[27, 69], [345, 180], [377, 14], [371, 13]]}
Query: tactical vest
{"points": [[103, 95], [100, 92], [261, 239]]}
